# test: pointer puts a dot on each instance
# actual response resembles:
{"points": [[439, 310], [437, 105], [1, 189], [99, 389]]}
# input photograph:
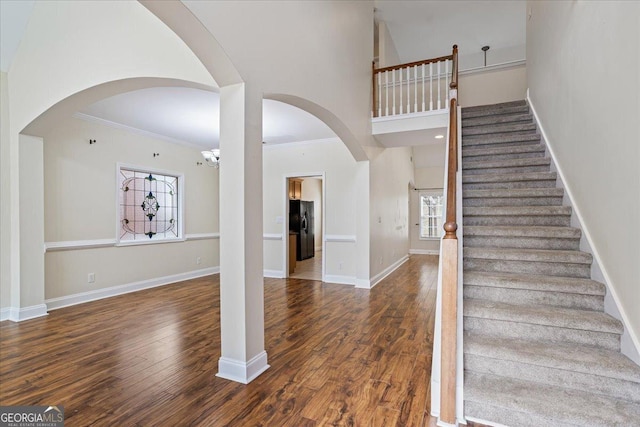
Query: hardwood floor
{"points": [[338, 356]]}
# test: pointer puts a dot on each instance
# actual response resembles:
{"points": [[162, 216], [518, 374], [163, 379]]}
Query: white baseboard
{"points": [[341, 280], [630, 342], [68, 300], [424, 252], [16, 314], [275, 274], [242, 372], [387, 271], [363, 283]]}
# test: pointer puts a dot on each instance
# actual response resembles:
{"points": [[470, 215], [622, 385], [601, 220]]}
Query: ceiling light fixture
{"points": [[439, 136], [212, 157]]}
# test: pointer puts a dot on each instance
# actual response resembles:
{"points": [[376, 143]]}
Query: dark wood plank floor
{"points": [[338, 356]]}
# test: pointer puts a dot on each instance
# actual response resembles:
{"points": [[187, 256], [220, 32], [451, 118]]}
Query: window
{"points": [[431, 215], [149, 206]]}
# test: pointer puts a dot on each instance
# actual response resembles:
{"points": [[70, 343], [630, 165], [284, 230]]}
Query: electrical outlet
{"points": [[198, 260], [91, 278]]}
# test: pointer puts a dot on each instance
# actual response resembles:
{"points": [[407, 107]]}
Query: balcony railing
{"points": [[415, 87]]}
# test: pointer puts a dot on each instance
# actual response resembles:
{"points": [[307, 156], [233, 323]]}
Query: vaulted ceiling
{"points": [[419, 29]]}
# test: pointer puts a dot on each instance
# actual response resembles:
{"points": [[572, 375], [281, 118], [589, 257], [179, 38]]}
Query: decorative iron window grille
{"points": [[149, 206]]}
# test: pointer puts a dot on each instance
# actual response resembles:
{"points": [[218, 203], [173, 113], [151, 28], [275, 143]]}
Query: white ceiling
{"points": [[420, 29], [428, 29], [193, 115]]}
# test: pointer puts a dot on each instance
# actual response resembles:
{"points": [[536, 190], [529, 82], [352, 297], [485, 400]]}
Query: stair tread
{"points": [[534, 282], [558, 405], [499, 128], [519, 103], [513, 192], [529, 161], [518, 149], [523, 231], [570, 357], [534, 255], [516, 210], [509, 177], [496, 119], [559, 317]]}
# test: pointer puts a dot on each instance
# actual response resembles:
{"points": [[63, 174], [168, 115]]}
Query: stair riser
{"points": [[511, 201], [626, 390], [510, 169], [507, 417], [526, 296], [512, 330], [496, 119], [516, 129], [521, 242], [490, 157], [551, 220], [529, 267], [509, 185]]}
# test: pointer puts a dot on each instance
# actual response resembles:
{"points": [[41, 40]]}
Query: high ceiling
{"points": [[191, 116], [428, 29], [419, 29]]}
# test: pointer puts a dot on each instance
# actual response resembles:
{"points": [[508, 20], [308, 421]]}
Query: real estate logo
{"points": [[31, 416]]}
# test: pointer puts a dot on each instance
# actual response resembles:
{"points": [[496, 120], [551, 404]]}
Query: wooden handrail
{"points": [[449, 324], [375, 87], [450, 226], [411, 64], [454, 71]]}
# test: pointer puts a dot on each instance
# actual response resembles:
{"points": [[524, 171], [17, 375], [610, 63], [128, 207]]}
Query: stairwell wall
{"points": [[583, 75]]}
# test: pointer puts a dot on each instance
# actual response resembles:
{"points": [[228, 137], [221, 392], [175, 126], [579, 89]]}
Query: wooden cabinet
{"points": [[295, 188]]}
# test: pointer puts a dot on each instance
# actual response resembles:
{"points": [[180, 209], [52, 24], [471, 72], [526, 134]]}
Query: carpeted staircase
{"points": [[538, 348]]}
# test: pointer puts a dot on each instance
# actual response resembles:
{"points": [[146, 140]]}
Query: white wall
{"points": [[31, 220], [492, 86], [69, 48], [80, 205], [391, 175], [79, 45], [320, 51], [387, 53], [312, 190], [5, 180], [332, 158], [584, 82]]}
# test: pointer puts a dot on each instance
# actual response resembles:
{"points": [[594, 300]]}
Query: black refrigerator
{"points": [[301, 223]]}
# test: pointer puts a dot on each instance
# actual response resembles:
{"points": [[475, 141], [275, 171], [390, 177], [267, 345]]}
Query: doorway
{"points": [[304, 227]]}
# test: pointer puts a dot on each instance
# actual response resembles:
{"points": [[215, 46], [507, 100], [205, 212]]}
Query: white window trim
{"points": [[181, 235], [421, 193]]}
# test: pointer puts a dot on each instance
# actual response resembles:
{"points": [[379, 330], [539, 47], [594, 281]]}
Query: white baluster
{"points": [[400, 90], [430, 86], [379, 94], [446, 80], [439, 85], [423, 88], [415, 88], [393, 103], [408, 90], [386, 92]]}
